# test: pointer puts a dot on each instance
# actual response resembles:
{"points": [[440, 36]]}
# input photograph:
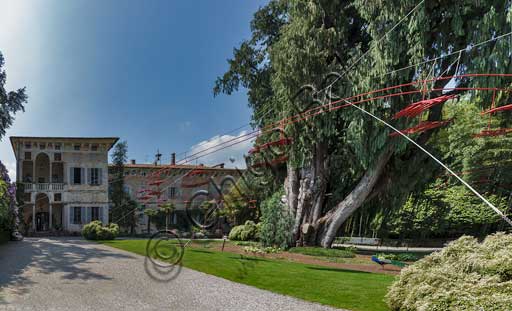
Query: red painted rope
{"points": [[497, 109], [493, 133], [280, 142], [328, 107], [422, 127], [417, 108]]}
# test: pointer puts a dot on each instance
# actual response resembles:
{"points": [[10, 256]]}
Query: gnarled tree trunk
{"points": [[333, 220]]}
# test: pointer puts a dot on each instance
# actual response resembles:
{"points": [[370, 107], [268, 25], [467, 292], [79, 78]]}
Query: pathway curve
{"points": [[71, 273]]}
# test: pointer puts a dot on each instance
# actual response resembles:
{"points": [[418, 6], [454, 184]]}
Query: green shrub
{"points": [[398, 256], [245, 232], [323, 252], [465, 275], [96, 231], [276, 222]]}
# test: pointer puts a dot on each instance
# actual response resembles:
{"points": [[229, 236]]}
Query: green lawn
{"points": [[352, 290]]}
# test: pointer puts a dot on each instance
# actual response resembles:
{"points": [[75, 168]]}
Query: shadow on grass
{"points": [[200, 251], [337, 270], [242, 257]]}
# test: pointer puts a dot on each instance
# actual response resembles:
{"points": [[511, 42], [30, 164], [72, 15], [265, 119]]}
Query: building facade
{"points": [[65, 181], [152, 185]]}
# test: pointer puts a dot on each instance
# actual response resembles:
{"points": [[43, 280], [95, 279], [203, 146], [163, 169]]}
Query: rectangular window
{"points": [[76, 147], [28, 145], [133, 172], [57, 146], [95, 213], [77, 175], [94, 147], [94, 176], [42, 146], [57, 197], [57, 156], [172, 193], [28, 155], [77, 215]]}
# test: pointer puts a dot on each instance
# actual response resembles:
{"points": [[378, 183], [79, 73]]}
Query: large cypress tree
{"points": [[296, 44]]}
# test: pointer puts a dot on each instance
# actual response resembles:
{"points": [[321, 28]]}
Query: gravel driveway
{"points": [[70, 273]]}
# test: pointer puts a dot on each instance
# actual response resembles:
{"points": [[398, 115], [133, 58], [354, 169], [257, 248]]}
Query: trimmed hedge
{"points": [[246, 232], [465, 275], [96, 231]]}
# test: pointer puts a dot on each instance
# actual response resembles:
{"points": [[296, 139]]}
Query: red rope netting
{"points": [[417, 108], [422, 127], [280, 142], [497, 109], [493, 133]]}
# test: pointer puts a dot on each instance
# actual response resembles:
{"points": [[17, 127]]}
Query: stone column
{"points": [[34, 216], [50, 220], [33, 171]]}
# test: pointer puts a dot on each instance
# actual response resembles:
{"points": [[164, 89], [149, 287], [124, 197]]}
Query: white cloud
{"points": [[234, 149], [11, 169]]}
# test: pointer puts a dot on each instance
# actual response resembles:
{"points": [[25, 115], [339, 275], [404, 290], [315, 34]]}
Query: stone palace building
{"points": [[66, 182]]}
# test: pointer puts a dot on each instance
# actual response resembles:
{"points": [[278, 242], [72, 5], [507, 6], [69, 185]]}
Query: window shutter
{"points": [[82, 175], [100, 176], [71, 215], [71, 175], [84, 216], [89, 176], [102, 219]]}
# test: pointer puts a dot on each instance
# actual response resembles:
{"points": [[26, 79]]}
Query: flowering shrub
{"points": [[246, 232], [262, 250], [465, 275], [7, 200], [96, 231]]}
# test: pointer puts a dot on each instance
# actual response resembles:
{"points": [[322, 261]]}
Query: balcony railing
{"points": [[29, 187]]}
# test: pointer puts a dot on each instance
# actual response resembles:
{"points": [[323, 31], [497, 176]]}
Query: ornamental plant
{"points": [[464, 276], [7, 200], [96, 231]]}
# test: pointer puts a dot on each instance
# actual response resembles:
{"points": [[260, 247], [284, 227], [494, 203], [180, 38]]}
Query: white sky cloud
{"points": [[238, 146]]}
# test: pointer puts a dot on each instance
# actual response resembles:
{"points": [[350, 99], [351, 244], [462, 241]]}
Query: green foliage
{"points": [[398, 256], [323, 252], [96, 231], [246, 232], [10, 101], [262, 250], [123, 206], [465, 275], [276, 222]]}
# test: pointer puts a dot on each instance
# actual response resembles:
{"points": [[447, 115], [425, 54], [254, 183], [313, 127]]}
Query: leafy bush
{"points": [[246, 243], [399, 256], [465, 275], [276, 222], [96, 231], [246, 232], [323, 252], [262, 250]]}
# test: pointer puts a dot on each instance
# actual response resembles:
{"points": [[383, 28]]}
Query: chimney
{"points": [[132, 161], [173, 158]]}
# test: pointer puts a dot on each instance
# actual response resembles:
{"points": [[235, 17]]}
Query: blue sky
{"points": [[139, 70]]}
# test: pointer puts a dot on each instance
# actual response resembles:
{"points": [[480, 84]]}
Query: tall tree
{"points": [[346, 153], [123, 207], [10, 103]]}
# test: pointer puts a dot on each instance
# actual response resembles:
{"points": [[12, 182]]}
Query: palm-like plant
{"points": [[150, 213], [167, 209]]}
